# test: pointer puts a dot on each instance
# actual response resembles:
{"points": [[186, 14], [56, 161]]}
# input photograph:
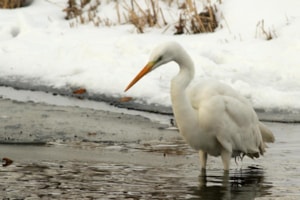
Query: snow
{"points": [[38, 46]]}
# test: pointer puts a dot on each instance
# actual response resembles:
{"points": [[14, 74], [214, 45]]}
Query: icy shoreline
{"points": [[268, 115]]}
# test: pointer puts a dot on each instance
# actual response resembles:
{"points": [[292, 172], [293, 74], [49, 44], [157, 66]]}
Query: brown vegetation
{"points": [[8, 4], [140, 18], [191, 21], [131, 12], [76, 11], [260, 30]]}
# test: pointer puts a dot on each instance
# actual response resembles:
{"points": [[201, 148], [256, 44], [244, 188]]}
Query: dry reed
{"points": [[260, 30], [191, 21], [9, 4], [77, 11], [142, 18], [149, 15]]}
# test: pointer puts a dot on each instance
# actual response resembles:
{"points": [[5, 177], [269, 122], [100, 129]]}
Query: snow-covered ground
{"points": [[38, 46]]}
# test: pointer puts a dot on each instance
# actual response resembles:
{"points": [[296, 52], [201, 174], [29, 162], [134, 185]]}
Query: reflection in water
{"points": [[78, 180], [245, 184]]}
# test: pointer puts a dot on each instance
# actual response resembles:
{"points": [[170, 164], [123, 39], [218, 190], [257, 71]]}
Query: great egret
{"points": [[211, 116]]}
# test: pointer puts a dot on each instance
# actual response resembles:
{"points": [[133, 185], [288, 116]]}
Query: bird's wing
{"points": [[228, 115]]}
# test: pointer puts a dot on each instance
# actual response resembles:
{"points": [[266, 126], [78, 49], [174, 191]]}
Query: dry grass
{"points": [[83, 13], [128, 12], [191, 21], [145, 14], [142, 18], [261, 31], [9, 4]]}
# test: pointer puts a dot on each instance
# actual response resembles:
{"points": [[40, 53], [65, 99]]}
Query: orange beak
{"points": [[142, 73]]}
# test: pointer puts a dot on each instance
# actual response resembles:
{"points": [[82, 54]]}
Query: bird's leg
{"points": [[225, 155], [202, 178], [225, 180], [203, 159]]}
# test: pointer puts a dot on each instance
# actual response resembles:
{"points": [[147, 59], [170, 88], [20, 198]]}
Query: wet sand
{"points": [[63, 152]]}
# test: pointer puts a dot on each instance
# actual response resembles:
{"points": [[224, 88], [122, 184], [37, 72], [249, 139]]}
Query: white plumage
{"points": [[211, 116]]}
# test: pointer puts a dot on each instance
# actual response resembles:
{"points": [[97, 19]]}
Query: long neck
{"points": [[184, 113]]}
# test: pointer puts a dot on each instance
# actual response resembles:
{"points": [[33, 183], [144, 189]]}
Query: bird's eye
{"points": [[159, 58]]}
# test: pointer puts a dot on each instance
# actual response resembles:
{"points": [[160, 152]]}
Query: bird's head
{"points": [[162, 54]]}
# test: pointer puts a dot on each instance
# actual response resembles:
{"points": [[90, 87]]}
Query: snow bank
{"points": [[38, 46]]}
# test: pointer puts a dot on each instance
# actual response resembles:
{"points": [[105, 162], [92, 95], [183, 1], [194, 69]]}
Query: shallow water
{"points": [[149, 170], [79, 153], [116, 181]]}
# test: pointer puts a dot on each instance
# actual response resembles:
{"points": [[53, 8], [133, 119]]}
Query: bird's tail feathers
{"points": [[266, 133]]}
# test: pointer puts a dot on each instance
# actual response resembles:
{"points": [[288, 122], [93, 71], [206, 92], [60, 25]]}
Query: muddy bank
{"points": [[40, 123]]}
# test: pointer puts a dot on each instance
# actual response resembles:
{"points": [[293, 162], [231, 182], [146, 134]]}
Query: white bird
{"points": [[212, 117]]}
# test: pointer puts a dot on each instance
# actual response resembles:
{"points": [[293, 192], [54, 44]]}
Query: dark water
{"points": [[88, 154], [74, 180], [151, 170]]}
